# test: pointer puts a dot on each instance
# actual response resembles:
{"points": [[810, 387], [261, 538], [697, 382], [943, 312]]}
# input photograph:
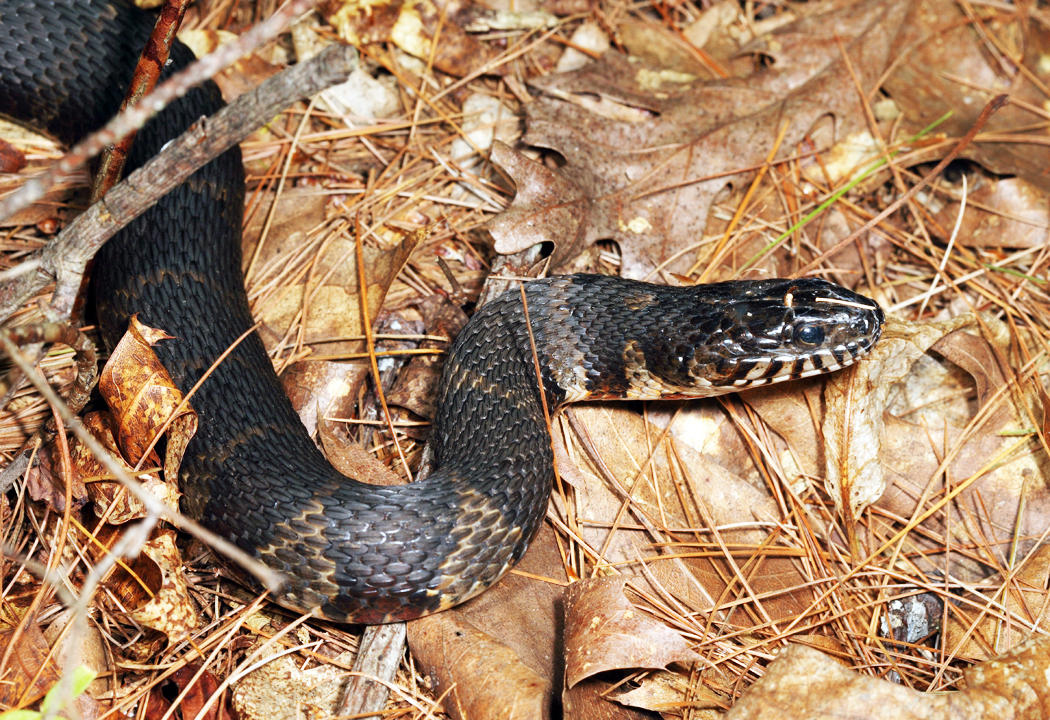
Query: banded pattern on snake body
{"points": [[352, 551]]}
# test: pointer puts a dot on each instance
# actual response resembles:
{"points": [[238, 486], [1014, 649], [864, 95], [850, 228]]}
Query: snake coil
{"points": [[352, 551]]}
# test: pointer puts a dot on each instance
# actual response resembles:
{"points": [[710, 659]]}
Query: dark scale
{"points": [[352, 551]]}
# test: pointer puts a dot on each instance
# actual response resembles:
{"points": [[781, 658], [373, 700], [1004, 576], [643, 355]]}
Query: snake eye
{"points": [[809, 334]]}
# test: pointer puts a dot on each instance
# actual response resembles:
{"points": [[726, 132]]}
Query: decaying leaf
{"points": [[806, 684], [647, 159], [29, 668], [143, 397], [604, 631], [281, 690], [500, 653]]}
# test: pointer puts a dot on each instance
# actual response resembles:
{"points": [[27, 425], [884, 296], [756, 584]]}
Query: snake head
{"points": [[751, 333]]}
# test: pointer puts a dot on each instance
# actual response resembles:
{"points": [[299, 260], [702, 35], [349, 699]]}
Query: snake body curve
{"points": [[351, 551]]}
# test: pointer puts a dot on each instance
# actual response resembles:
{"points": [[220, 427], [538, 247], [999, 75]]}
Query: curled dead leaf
{"points": [[141, 393], [604, 631], [112, 500], [152, 588]]}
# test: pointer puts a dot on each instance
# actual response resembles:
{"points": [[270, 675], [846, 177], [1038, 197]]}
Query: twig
{"points": [[990, 109], [154, 507], [66, 334], [143, 80], [66, 256], [378, 656], [134, 118]]}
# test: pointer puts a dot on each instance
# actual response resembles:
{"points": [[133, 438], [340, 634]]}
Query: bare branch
{"points": [[135, 117], [66, 256]]}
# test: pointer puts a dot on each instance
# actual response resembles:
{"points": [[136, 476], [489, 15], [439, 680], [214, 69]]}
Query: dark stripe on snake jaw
{"points": [[353, 551]]}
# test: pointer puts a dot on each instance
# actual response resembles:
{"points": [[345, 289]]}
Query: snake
{"points": [[349, 550]]}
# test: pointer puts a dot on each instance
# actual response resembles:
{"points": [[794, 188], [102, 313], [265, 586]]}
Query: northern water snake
{"points": [[353, 551]]}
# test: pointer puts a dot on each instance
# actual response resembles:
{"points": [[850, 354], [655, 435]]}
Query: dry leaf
{"points": [[280, 689], [351, 459], [326, 303], [12, 159], [112, 500], [670, 693], [320, 387], [588, 701], [923, 406], [856, 402], [702, 453], [647, 159], [241, 77], [496, 684], [1000, 212], [499, 653], [604, 631], [974, 635], [91, 652], [171, 610], [44, 479], [1014, 686], [943, 63], [142, 395], [30, 669], [152, 588]]}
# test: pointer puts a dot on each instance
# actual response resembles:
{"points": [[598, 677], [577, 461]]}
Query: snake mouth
{"points": [[859, 337], [781, 368]]}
